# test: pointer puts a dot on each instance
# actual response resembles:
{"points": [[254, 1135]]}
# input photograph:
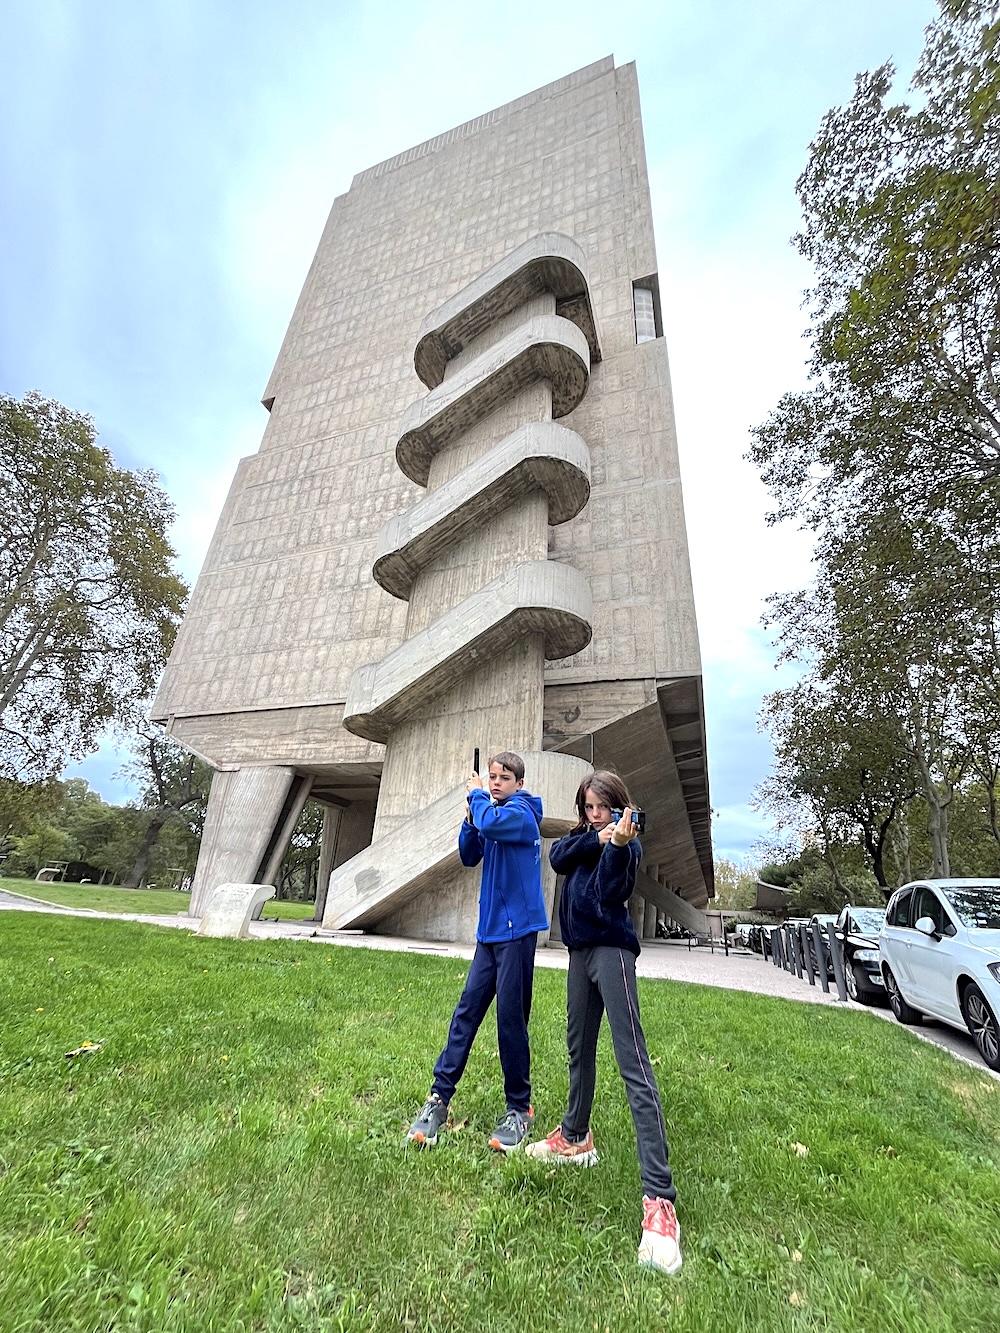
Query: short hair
{"points": [[509, 760], [609, 787]]}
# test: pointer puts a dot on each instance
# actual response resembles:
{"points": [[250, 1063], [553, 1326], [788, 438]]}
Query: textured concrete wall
{"points": [[287, 610]]}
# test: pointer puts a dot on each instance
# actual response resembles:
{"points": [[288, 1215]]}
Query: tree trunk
{"points": [[901, 852], [937, 816], [141, 868]]}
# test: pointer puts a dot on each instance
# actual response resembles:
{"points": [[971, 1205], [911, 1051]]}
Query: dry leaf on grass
{"points": [[85, 1048]]}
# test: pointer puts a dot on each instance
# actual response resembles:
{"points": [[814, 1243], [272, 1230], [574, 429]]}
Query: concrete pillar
{"points": [[332, 815], [637, 910], [293, 807], [245, 807], [355, 834], [649, 921]]}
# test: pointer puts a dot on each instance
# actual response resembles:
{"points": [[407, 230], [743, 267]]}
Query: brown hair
{"points": [[609, 787], [509, 760]]}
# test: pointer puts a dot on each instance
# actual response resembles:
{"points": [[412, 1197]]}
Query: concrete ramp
{"points": [[396, 867], [679, 910], [405, 862]]}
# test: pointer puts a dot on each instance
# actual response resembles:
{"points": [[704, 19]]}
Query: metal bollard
{"points": [[837, 955], [806, 954], [796, 943], [821, 955]]}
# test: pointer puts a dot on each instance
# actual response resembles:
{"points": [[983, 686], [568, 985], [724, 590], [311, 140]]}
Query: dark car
{"points": [[859, 928]]}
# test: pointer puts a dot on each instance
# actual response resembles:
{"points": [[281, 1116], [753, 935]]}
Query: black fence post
{"points": [[806, 954], [796, 943], [821, 955], [837, 954]]}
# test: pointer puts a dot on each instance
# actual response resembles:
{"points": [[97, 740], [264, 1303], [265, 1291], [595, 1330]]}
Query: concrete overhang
{"points": [[544, 347], [541, 456], [660, 752], [549, 262], [534, 597]]}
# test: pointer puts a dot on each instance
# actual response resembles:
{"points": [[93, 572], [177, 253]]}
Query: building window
{"points": [[645, 321], [646, 305]]}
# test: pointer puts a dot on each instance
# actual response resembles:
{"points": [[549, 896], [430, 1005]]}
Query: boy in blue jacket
{"points": [[502, 831]]}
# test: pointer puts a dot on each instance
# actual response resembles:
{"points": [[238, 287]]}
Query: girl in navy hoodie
{"points": [[599, 860]]}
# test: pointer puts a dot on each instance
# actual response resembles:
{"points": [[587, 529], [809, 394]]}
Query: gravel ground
{"points": [[671, 961]]}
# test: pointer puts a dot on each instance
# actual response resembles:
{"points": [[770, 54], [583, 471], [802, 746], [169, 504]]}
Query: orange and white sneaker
{"points": [[558, 1148], [660, 1246]]}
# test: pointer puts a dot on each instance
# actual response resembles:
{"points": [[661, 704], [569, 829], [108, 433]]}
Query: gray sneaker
{"points": [[424, 1130], [512, 1129]]}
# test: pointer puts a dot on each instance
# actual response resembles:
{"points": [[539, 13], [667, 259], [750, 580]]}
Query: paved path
{"points": [[660, 960]]}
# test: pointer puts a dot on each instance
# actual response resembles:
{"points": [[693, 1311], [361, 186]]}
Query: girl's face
{"points": [[597, 809]]}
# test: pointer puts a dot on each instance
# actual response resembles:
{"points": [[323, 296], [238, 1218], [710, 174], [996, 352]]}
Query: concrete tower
{"points": [[463, 528]]}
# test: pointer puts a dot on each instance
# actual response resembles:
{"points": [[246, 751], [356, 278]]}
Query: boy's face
{"points": [[503, 783]]}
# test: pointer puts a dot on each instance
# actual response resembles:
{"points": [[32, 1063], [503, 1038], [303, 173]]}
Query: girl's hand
{"points": [[604, 834], [621, 833]]}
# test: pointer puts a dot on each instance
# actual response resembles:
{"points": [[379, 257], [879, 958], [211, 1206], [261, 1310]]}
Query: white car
{"points": [[940, 957]]}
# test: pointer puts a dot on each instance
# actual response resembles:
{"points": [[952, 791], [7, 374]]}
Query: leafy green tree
{"points": [[43, 845], [23, 807], [735, 886], [300, 865], [89, 601], [903, 230], [839, 771], [175, 786]]}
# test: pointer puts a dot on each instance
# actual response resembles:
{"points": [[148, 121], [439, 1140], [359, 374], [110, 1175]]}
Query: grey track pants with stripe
{"points": [[602, 980]]}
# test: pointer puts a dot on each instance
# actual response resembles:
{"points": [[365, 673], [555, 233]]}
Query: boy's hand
{"points": [[474, 781], [621, 833]]}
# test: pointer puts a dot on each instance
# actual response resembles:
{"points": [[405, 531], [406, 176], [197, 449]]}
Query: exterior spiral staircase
{"points": [[522, 335]]}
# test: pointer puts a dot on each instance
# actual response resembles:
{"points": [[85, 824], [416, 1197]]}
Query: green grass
{"points": [[148, 902], [231, 1158]]}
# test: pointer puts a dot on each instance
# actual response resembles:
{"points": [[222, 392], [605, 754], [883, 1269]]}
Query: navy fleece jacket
{"points": [[599, 882], [506, 838]]}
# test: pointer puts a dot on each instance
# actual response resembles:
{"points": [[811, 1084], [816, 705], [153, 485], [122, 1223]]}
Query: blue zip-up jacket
{"points": [[599, 882], [506, 838]]}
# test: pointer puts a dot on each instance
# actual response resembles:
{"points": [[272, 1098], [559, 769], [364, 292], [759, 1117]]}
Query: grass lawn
{"points": [[231, 1157], [149, 902]]}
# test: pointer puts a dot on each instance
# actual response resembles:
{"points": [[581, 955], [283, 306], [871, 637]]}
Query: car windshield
{"points": [[976, 905], [869, 920]]}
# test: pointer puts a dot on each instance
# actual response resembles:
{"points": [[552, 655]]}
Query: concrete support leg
{"points": [[649, 921], [244, 821], [637, 911], [332, 815]]}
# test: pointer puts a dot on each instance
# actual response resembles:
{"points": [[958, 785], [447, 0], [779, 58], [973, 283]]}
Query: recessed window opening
{"points": [[646, 307]]}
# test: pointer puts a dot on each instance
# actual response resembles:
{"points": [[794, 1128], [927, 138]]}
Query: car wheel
{"points": [[905, 1013], [851, 980], [982, 1023], [857, 984]]}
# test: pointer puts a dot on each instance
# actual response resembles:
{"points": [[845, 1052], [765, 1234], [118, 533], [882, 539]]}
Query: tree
{"points": [[89, 602], [839, 771], [175, 786], [892, 457], [300, 865], [903, 230], [735, 885]]}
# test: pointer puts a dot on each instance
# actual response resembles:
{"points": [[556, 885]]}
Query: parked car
{"points": [[940, 957], [858, 929]]}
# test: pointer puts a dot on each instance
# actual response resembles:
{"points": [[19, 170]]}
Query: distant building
{"points": [[464, 527]]}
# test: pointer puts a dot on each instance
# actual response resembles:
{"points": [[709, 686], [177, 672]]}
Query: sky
{"points": [[166, 170]]}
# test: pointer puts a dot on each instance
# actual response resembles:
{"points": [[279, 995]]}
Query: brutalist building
{"points": [[464, 527]]}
